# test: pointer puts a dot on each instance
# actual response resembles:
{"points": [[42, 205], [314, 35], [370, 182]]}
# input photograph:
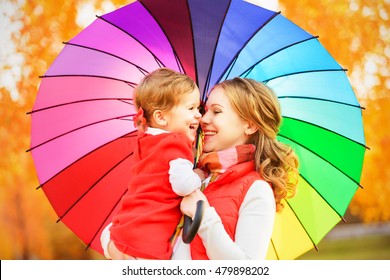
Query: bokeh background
{"points": [[355, 32]]}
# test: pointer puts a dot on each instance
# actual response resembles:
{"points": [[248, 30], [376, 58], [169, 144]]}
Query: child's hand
{"points": [[200, 173]]}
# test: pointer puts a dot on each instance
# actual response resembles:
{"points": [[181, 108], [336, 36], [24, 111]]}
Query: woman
{"points": [[253, 172]]}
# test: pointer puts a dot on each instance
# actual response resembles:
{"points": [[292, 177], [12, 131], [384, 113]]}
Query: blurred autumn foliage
{"points": [[356, 33]]}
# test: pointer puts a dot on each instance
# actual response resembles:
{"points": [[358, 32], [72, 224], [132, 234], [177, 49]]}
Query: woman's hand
{"points": [[188, 204]]}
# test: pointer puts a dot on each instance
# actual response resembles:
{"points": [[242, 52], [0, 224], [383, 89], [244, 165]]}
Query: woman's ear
{"points": [[159, 118], [250, 129]]}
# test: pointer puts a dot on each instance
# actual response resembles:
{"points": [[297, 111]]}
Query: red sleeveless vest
{"points": [[226, 195]]}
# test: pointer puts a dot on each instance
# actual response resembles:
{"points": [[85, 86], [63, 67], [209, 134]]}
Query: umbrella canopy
{"points": [[82, 136]]}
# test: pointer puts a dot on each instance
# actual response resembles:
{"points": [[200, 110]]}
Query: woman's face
{"points": [[221, 125]]}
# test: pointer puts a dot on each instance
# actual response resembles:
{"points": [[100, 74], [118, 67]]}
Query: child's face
{"points": [[185, 116]]}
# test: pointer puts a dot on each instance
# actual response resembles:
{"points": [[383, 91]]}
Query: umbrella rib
{"points": [[125, 100], [207, 81], [91, 76], [193, 46], [321, 99], [248, 70], [324, 128], [324, 159], [299, 220], [341, 217], [235, 57], [178, 63], [274, 248], [81, 101], [124, 31], [109, 213], [143, 71], [85, 193], [81, 127], [123, 136], [305, 72]]}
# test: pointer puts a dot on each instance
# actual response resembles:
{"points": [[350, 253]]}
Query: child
{"points": [[162, 169]]}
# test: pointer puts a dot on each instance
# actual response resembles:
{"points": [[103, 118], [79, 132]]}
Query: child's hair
{"points": [[161, 90], [276, 162]]}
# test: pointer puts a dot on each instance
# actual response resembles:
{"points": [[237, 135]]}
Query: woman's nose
{"points": [[205, 118]]}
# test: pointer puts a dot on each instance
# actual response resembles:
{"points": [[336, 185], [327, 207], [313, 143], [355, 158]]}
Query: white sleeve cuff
{"points": [[105, 238]]}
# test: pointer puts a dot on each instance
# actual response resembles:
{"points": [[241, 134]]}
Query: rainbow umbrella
{"points": [[82, 136]]}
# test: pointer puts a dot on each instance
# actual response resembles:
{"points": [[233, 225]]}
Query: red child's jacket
{"points": [[150, 210]]}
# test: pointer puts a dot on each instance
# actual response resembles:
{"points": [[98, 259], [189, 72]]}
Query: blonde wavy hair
{"points": [[275, 161]]}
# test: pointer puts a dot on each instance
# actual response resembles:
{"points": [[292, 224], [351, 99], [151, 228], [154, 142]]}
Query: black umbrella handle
{"points": [[191, 227]]}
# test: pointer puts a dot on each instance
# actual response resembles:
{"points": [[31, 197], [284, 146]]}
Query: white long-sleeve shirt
{"points": [[253, 232]]}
